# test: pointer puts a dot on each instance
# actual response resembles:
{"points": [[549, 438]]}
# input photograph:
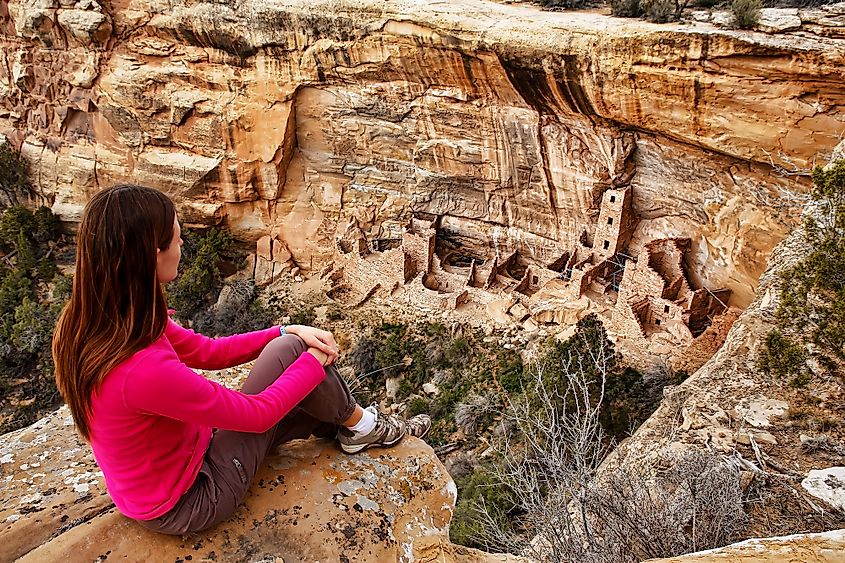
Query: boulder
{"points": [[87, 27], [827, 484], [778, 20], [309, 502]]}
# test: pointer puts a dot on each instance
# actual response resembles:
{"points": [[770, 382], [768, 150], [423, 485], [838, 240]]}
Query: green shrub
{"points": [[589, 347], [626, 8], [304, 316], [16, 220], [196, 287], [661, 11], [510, 371], [417, 405], [435, 330], [812, 292], [781, 356], [468, 527], [31, 296], [458, 352], [31, 328], [15, 286], [392, 349], [334, 314], [15, 187], [627, 399], [746, 13], [61, 288], [46, 225], [405, 389]]}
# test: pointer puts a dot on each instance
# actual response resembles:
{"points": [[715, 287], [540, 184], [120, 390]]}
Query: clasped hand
{"points": [[317, 338]]}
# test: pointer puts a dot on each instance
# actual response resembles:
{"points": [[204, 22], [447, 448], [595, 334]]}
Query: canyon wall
{"points": [[310, 120]]}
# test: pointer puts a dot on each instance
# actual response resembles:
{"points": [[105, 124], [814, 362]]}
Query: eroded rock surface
{"points": [[305, 120], [309, 502], [825, 547]]}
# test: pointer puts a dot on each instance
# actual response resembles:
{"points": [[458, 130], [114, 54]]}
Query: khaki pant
{"points": [[233, 458]]}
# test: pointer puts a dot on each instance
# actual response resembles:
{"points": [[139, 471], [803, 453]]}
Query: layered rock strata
{"points": [[305, 121]]}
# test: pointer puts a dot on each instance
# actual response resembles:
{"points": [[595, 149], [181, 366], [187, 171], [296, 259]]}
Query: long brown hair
{"points": [[117, 306]]}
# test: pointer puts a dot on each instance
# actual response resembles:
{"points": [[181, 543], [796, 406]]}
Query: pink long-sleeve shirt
{"points": [[152, 416]]}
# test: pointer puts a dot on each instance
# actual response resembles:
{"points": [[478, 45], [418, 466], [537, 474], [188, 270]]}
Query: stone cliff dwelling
{"points": [[647, 300]]}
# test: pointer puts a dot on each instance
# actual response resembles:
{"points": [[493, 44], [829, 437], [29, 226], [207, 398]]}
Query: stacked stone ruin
{"points": [[645, 296]]}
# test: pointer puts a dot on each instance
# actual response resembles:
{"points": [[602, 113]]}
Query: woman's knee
{"points": [[273, 360], [288, 346]]}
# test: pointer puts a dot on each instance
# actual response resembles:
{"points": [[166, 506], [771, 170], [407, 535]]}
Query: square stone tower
{"points": [[616, 222]]}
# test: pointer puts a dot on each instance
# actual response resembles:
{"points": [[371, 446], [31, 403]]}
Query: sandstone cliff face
{"points": [[786, 440], [303, 120], [310, 502]]}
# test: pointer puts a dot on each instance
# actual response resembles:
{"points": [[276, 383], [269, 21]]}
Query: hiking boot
{"points": [[418, 426], [388, 431]]}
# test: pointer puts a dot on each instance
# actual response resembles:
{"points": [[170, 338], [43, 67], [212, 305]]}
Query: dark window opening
{"points": [[606, 244], [535, 280], [612, 199], [657, 322], [610, 220], [666, 308]]}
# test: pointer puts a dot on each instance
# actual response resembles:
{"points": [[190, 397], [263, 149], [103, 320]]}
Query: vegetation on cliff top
{"points": [[32, 293], [746, 13], [809, 338]]}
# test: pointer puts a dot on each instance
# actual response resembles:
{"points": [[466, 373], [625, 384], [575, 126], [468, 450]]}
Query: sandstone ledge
{"points": [[826, 547], [310, 502]]}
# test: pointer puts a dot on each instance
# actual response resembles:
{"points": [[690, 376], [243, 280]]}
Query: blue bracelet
{"points": [[282, 330]]}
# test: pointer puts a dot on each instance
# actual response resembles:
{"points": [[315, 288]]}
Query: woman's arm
{"points": [[201, 352], [162, 385]]}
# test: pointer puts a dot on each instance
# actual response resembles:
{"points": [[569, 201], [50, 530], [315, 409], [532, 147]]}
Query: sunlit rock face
{"points": [[302, 120]]}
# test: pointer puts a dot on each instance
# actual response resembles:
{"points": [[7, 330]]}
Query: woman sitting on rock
{"points": [[179, 451]]}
